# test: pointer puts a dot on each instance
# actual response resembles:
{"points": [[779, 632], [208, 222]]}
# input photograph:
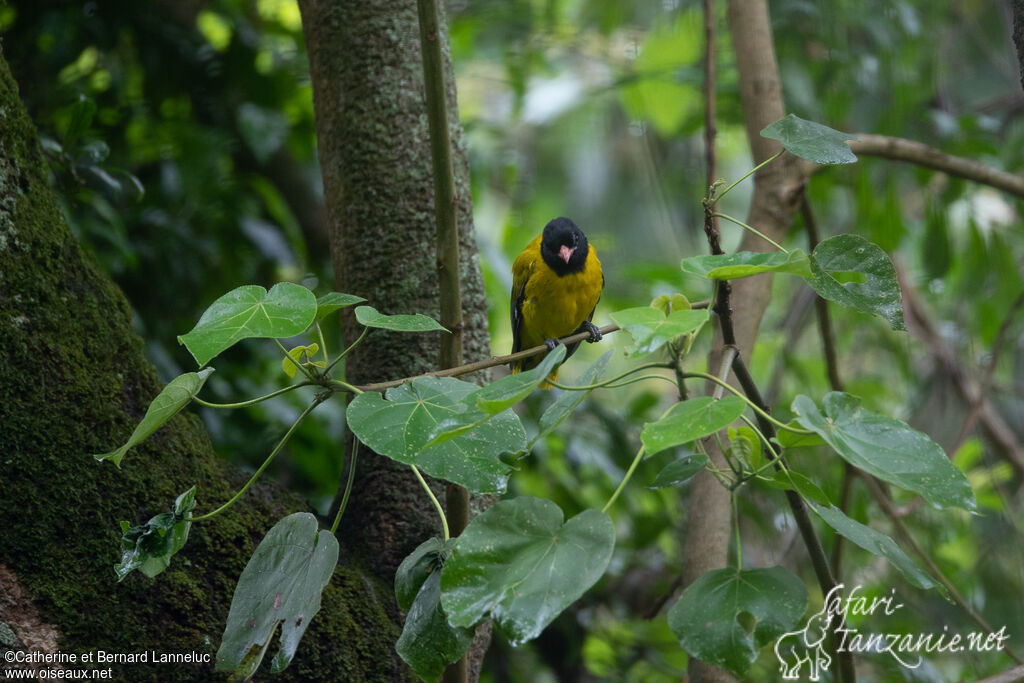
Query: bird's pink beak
{"points": [[565, 253]]}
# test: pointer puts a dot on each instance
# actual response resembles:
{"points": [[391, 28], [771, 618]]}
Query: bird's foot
{"points": [[552, 344], [595, 333]]}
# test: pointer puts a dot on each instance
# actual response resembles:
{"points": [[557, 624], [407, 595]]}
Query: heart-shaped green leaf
{"points": [[651, 328], [250, 311], [428, 642], [149, 547], [713, 615], [887, 448], [281, 585], [369, 316], [876, 543], [878, 294], [401, 428], [680, 471], [565, 404], [747, 263], [811, 141], [519, 564], [332, 301], [175, 396], [691, 420]]}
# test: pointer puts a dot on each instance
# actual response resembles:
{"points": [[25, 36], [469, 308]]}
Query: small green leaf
{"points": [[565, 404], [651, 328], [428, 642], [519, 564], [794, 481], [745, 445], [175, 396], [887, 448], [401, 428], [281, 585], [368, 316], [250, 311], [727, 615], [878, 294], [680, 471], [788, 439], [746, 263], [295, 358], [428, 557], [691, 420], [332, 301], [876, 543], [149, 547], [811, 141]]}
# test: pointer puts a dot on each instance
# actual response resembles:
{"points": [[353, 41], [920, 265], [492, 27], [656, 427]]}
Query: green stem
{"points": [[348, 484], [747, 175], [737, 392], [736, 522], [641, 378], [346, 386], [254, 401], [323, 344], [752, 229], [629, 473], [277, 449], [433, 499], [344, 353], [605, 383]]}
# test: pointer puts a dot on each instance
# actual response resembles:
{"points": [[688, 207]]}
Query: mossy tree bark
{"points": [[375, 156], [74, 381]]}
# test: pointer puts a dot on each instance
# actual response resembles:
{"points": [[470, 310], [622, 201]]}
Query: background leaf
{"points": [[887, 448], [811, 141], [680, 471], [428, 642], [175, 396], [879, 294], [690, 420], [281, 585], [149, 547], [370, 317], [332, 301], [706, 619], [520, 565], [746, 263], [250, 311]]}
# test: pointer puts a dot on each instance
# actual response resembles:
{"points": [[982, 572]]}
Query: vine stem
{"points": [[348, 484], [605, 383], [253, 401], [433, 499], [763, 413], [351, 346], [277, 449], [714, 200], [752, 229], [629, 473]]}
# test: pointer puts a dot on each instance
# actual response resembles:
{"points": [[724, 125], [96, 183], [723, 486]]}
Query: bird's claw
{"points": [[595, 332], [552, 344]]}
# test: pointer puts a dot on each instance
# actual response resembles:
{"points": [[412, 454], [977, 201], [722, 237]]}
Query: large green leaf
{"points": [[281, 585], [369, 316], [878, 294], [493, 398], [875, 542], [428, 642], [565, 404], [680, 471], [651, 328], [519, 564], [811, 141], [746, 263], [691, 420], [713, 616], [250, 311], [175, 396], [332, 301], [887, 448], [149, 547], [401, 428]]}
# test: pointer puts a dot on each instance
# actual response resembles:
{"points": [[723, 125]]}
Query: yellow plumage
{"points": [[554, 295]]}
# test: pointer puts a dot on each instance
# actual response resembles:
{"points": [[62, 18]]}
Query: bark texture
{"points": [[74, 381], [374, 152]]}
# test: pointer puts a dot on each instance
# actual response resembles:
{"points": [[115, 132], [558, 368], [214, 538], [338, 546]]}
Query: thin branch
{"points": [[911, 151]]}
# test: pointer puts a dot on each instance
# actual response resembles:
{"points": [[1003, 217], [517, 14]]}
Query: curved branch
{"points": [[911, 151]]}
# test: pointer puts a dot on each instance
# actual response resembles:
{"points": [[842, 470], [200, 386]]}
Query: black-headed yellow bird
{"points": [[556, 283]]}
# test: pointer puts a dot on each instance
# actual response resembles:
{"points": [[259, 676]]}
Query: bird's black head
{"points": [[564, 247]]}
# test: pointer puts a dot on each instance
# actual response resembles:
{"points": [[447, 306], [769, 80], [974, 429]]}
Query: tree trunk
{"points": [[74, 381], [375, 156]]}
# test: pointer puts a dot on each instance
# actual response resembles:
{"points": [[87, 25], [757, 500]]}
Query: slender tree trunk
{"points": [[374, 152], [775, 201], [74, 381]]}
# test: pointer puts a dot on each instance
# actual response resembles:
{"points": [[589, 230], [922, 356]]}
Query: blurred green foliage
{"points": [[592, 109]]}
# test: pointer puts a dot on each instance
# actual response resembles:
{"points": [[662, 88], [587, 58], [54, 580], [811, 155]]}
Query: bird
{"points": [[556, 284]]}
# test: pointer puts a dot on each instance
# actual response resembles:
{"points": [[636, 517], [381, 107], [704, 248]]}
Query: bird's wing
{"points": [[521, 270]]}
